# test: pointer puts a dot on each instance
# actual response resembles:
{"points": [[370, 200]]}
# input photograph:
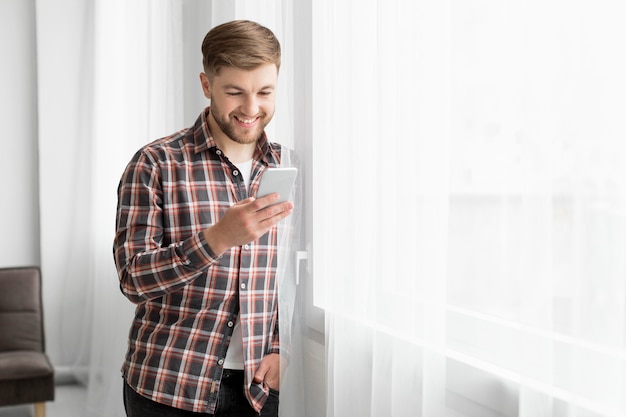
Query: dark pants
{"points": [[232, 402]]}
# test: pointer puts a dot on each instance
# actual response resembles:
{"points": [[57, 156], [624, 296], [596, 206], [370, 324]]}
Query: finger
{"points": [[275, 213], [259, 375], [266, 201], [246, 201]]}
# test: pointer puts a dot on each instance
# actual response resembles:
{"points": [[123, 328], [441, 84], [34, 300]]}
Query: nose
{"points": [[250, 106]]}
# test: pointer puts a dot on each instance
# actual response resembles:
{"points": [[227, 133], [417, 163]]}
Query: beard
{"points": [[235, 132]]}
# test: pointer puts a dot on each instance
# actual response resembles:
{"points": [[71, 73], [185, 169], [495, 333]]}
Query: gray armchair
{"points": [[26, 375]]}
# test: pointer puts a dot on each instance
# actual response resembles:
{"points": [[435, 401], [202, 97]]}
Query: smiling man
{"points": [[197, 254], [242, 103]]}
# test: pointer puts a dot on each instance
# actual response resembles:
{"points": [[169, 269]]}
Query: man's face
{"points": [[242, 102]]}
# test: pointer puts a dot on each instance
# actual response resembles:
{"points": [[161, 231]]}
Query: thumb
{"points": [[259, 375]]}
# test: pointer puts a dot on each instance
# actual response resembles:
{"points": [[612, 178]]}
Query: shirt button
{"points": [[220, 362], [231, 324], [218, 152], [243, 286], [235, 173], [246, 247]]}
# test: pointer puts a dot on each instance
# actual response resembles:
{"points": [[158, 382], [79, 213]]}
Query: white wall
{"points": [[19, 243]]}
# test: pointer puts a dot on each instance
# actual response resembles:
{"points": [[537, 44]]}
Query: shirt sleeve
{"points": [[147, 268]]}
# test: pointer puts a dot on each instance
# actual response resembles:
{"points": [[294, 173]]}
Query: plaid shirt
{"points": [[187, 298]]}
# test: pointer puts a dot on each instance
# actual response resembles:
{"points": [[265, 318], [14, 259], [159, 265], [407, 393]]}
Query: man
{"points": [[197, 254]]}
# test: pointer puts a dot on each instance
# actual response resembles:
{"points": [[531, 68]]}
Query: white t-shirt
{"points": [[246, 170], [234, 355]]}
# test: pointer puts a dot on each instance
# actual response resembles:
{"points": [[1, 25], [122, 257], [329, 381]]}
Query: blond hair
{"points": [[240, 44]]}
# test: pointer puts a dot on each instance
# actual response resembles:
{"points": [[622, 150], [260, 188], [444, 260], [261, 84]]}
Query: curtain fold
{"points": [[138, 96], [65, 86], [472, 249]]}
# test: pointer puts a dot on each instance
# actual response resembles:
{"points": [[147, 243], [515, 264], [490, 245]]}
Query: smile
{"points": [[246, 121]]}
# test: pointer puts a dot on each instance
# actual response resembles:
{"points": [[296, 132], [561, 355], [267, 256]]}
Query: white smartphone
{"points": [[277, 180]]}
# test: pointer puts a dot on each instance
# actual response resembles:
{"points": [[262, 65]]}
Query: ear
{"points": [[206, 85]]}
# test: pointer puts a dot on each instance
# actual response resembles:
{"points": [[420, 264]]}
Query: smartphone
{"points": [[277, 180]]}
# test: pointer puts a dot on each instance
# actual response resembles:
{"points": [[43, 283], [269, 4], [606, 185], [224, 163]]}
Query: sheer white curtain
{"points": [[114, 75], [139, 68], [470, 199]]}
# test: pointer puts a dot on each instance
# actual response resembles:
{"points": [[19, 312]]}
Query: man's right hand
{"points": [[246, 221]]}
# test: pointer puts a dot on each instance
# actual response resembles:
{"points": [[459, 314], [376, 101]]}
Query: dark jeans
{"points": [[232, 402]]}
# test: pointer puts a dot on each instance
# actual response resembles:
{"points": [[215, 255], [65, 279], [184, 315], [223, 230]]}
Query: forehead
{"points": [[263, 76]]}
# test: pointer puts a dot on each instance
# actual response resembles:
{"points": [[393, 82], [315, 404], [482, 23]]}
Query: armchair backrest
{"points": [[21, 315]]}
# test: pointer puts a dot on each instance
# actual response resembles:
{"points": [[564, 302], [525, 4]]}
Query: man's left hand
{"points": [[269, 371]]}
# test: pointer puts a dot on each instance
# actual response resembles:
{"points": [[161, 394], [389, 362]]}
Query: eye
{"points": [[232, 94]]}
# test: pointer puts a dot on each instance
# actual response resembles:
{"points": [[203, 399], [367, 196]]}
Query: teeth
{"points": [[247, 121]]}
